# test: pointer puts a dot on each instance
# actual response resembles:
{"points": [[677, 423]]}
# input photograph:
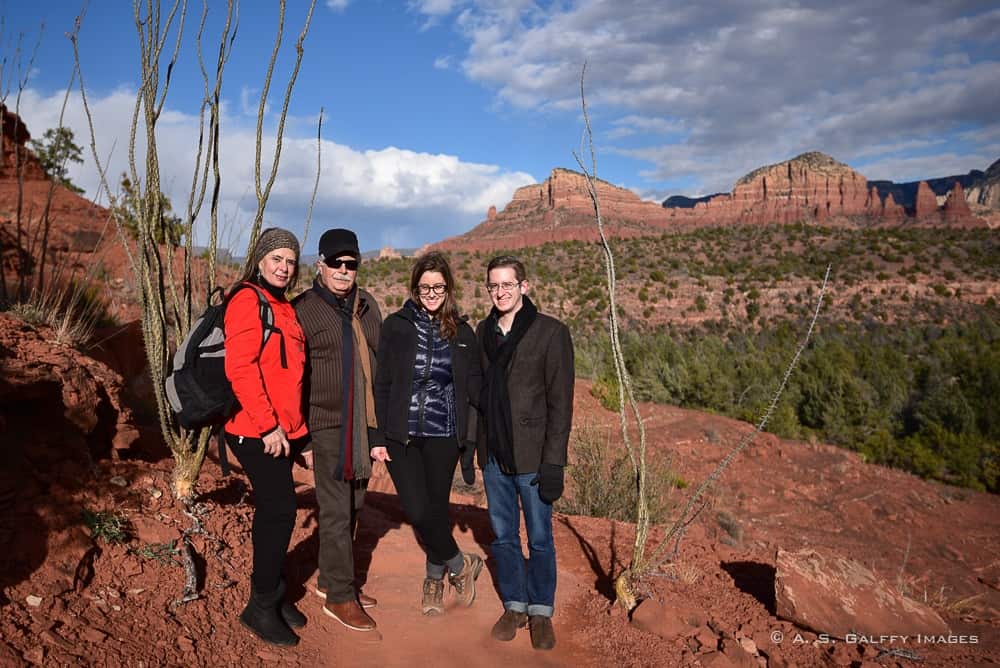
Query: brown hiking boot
{"points": [[542, 634], [507, 626], [364, 599], [350, 614], [464, 583], [432, 602]]}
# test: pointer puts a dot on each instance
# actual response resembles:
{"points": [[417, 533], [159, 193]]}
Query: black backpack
{"points": [[199, 393]]}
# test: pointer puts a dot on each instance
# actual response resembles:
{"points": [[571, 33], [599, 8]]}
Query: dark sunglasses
{"points": [[335, 263]]}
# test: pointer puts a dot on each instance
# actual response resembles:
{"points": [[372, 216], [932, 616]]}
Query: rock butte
{"points": [[809, 187]]}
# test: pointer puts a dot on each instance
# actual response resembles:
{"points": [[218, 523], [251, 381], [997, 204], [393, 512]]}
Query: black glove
{"points": [[550, 482], [469, 463]]}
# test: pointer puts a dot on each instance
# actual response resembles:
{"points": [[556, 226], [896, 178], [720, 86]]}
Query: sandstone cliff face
{"points": [[926, 205], [560, 209], [986, 191], [15, 139], [812, 186], [809, 187], [956, 209], [66, 222]]}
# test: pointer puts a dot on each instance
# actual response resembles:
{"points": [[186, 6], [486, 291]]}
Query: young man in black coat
{"points": [[526, 411]]}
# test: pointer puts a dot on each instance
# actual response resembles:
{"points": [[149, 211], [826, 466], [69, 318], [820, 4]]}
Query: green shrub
{"points": [[107, 526], [602, 483]]}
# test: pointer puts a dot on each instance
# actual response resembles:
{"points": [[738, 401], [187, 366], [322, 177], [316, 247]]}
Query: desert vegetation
{"points": [[904, 366]]}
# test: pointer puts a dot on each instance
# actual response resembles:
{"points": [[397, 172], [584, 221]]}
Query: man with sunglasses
{"points": [[526, 410], [342, 324]]}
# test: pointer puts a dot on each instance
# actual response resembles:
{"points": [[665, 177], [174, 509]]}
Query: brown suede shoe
{"points": [[350, 614], [464, 583], [364, 599], [542, 634], [507, 626]]}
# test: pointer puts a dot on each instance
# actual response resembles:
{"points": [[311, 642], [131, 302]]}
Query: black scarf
{"points": [[495, 400]]}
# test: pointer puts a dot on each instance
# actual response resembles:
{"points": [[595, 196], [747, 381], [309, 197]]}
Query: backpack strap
{"points": [[266, 319]]}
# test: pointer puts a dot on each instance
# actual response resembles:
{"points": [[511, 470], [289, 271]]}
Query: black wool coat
{"points": [[540, 385], [397, 352]]}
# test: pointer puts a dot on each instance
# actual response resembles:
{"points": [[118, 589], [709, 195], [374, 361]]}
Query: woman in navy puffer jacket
{"points": [[428, 375]]}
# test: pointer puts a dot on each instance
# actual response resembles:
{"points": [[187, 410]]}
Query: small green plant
{"points": [[162, 553], [113, 528]]}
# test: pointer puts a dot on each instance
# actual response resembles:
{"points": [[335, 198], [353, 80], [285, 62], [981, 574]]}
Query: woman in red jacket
{"points": [[269, 428]]}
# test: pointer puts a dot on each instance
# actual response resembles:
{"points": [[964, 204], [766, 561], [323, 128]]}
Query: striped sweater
{"points": [[321, 324]]}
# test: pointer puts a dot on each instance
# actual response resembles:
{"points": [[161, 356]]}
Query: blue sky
{"points": [[436, 109]]}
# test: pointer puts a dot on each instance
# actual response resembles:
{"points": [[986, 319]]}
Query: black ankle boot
{"points": [[292, 616], [262, 616]]}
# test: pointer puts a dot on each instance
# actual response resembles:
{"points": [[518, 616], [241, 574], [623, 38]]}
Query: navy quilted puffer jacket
{"points": [[432, 400]]}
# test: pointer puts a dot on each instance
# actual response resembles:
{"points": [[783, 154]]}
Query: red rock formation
{"points": [[812, 186], [491, 214], [956, 209], [809, 187], [15, 139], [75, 224], [388, 253], [892, 212], [926, 207], [36, 374], [833, 595], [560, 209]]}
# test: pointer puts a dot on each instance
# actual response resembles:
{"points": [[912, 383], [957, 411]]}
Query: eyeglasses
{"points": [[439, 289], [334, 263], [506, 286]]}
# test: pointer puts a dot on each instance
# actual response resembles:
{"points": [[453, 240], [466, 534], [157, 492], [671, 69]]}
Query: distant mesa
{"points": [[685, 202], [812, 187]]}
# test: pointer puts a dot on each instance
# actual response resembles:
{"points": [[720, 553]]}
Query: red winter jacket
{"points": [[268, 394]]}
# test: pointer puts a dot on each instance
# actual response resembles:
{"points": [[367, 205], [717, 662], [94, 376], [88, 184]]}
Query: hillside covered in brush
{"points": [[904, 367]]}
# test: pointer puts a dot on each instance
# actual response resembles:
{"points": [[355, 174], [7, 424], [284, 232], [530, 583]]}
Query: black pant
{"points": [[422, 473], [339, 502], [274, 507]]}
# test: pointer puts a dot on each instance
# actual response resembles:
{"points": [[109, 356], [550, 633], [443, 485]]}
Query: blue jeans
{"points": [[525, 586]]}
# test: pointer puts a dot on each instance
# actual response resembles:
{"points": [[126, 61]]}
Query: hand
{"points": [[276, 443], [380, 454], [550, 482], [469, 463]]}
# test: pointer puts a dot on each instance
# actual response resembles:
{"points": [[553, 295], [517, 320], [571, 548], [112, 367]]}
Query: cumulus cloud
{"points": [[391, 196], [737, 85]]}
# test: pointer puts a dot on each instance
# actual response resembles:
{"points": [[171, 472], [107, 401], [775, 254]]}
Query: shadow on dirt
{"points": [[755, 579]]}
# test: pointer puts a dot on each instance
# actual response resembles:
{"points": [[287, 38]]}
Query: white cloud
{"points": [[390, 196], [435, 7], [338, 5], [737, 85]]}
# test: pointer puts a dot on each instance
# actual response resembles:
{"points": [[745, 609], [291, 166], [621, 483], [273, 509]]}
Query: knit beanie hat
{"points": [[274, 238]]}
